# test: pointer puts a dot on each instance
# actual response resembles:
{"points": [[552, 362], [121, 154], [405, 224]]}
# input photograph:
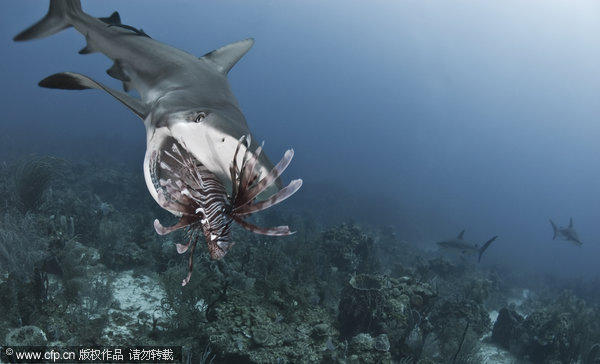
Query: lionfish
{"points": [[185, 186]]}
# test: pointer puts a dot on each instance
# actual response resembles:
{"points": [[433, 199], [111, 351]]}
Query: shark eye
{"points": [[200, 117]]}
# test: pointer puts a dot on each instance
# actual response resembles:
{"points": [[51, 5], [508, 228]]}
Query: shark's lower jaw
{"points": [[186, 187]]}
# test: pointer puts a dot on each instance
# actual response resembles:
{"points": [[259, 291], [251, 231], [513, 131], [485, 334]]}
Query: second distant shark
{"points": [[566, 233], [460, 245]]}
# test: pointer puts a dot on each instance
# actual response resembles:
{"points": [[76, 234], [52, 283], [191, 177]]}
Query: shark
{"points": [[201, 162], [460, 245], [569, 234]]}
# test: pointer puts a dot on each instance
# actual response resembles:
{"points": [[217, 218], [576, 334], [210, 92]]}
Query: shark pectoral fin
{"points": [[76, 81], [226, 57]]}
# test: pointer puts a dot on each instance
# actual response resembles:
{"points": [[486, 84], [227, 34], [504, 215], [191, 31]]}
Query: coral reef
{"points": [[22, 246], [82, 265], [26, 336], [506, 328], [561, 332], [32, 178]]}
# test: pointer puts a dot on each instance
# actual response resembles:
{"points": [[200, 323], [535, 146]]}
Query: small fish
{"points": [[460, 245], [569, 234], [201, 163]]}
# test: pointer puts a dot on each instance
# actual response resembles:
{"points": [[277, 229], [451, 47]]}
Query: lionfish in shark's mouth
{"points": [[187, 187]]}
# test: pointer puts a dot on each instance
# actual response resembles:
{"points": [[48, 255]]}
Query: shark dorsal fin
{"points": [[460, 235], [226, 57], [114, 18], [571, 223], [133, 29]]}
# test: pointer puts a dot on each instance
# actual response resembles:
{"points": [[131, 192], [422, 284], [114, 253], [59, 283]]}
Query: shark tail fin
{"points": [[55, 20], [555, 228], [485, 246]]}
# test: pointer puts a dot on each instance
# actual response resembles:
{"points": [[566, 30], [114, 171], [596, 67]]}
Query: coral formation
{"points": [[84, 266], [560, 332], [31, 180], [22, 246]]}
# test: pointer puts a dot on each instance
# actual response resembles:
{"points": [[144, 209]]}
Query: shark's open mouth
{"points": [[187, 187]]}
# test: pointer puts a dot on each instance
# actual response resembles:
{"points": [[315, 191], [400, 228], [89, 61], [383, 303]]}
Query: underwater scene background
{"points": [[410, 122]]}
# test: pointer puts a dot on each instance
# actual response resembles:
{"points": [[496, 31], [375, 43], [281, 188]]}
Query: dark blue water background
{"points": [[429, 116]]}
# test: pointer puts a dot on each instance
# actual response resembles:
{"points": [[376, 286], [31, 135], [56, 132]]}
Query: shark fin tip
{"points": [[227, 56]]}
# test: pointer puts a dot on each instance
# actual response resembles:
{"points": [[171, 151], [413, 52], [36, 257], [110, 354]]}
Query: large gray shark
{"points": [[460, 245], [569, 234], [201, 162]]}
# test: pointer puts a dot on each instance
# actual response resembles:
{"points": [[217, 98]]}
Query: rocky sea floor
{"points": [[80, 264]]}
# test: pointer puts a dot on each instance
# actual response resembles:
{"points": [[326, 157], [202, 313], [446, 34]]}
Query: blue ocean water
{"points": [[432, 117], [427, 117]]}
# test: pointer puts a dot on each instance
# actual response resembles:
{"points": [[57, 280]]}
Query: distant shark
{"points": [[201, 162], [569, 234], [460, 245]]}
